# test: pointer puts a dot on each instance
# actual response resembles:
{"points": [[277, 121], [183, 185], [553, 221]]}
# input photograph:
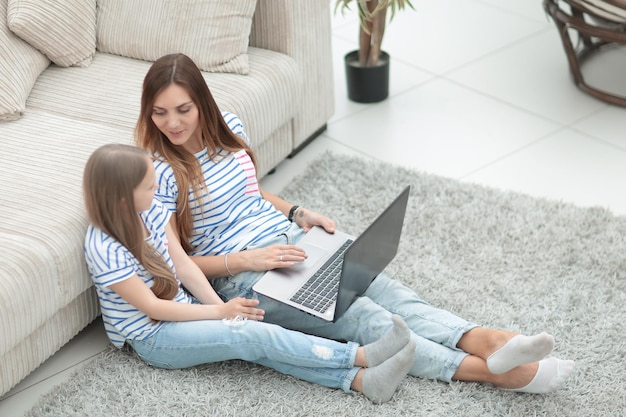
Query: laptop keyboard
{"points": [[320, 291]]}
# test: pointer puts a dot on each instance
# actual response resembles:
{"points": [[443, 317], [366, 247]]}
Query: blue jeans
{"points": [[185, 344], [435, 331]]}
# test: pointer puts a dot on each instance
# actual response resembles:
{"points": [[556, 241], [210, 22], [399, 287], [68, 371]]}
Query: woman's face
{"points": [[144, 191], [176, 115]]}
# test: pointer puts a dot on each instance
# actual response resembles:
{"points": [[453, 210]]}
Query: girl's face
{"points": [[144, 192], [175, 114]]}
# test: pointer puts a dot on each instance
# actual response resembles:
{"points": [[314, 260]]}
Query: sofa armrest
{"points": [[302, 30]]}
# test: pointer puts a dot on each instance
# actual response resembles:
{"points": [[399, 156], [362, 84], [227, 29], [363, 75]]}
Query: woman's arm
{"points": [[261, 259], [280, 204], [211, 266], [271, 257], [304, 218]]}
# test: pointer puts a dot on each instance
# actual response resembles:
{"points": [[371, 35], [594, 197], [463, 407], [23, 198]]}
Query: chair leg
{"points": [[570, 51], [586, 39]]}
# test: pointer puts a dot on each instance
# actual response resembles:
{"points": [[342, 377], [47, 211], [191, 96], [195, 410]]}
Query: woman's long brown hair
{"points": [[111, 175], [179, 69]]}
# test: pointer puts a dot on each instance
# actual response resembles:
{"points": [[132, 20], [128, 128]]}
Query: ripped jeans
{"points": [[185, 344]]}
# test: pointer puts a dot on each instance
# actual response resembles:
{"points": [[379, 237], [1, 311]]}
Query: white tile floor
{"points": [[479, 92]]}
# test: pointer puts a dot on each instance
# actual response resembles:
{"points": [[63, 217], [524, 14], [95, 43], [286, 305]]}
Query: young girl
{"points": [[139, 269], [234, 231]]}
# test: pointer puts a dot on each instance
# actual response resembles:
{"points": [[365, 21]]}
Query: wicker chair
{"points": [[592, 24]]}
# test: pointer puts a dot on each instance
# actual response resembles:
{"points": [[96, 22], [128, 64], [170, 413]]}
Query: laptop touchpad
{"points": [[314, 254]]}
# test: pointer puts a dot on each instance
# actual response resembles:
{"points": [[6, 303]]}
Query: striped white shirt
{"points": [[109, 262], [233, 215]]}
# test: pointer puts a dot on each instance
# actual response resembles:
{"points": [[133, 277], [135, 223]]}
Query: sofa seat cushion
{"points": [[265, 99], [40, 184], [28, 287], [43, 342]]}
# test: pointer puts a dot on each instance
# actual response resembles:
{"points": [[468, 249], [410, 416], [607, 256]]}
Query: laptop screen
{"points": [[371, 252]]}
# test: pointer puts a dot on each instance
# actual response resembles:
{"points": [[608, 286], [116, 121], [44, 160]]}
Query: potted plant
{"points": [[367, 69]]}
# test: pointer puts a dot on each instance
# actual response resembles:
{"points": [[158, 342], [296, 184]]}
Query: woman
{"points": [[234, 231], [139, 269]]}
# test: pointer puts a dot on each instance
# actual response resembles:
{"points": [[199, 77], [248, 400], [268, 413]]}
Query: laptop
{"points": [[341, 266]]}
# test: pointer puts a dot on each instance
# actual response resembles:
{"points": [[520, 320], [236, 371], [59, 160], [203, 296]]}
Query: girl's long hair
{"points": [[179, 69], [111, 175]]}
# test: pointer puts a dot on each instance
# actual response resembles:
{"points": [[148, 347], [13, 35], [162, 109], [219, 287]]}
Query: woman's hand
{"points": [[272, 257], [306, 219], [242, 307]]}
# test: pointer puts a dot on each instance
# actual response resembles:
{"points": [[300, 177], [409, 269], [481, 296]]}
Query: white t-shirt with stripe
{"points": [[233, 215], [109, 262]]}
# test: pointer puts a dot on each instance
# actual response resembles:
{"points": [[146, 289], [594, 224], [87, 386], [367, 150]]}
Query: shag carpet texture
{"points": [[500, 259]]}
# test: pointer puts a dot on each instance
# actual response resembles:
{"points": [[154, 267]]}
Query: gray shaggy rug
{"points": [[501, 259]]}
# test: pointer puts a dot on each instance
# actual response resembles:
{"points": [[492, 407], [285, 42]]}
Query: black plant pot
{"points": [[367, 84]]}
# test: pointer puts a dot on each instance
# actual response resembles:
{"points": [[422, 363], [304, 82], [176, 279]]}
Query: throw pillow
{"points": [[64, 30], [214, 33], [20, 65], [603, 9]]}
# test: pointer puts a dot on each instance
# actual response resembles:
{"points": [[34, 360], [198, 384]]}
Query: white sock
{"points": [[520, 350], [552, 372]]}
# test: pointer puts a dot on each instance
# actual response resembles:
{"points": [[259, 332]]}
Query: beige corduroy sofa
{"points": [[70, 81]]}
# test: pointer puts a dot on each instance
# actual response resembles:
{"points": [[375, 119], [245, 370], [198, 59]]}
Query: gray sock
{"points": [[389, 344], [380, 382]]}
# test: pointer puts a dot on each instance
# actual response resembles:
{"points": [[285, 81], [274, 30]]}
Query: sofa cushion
{"points": [[214, 33], [27, 273], [45, 167], [265, 99], [20, 65], [603, 9], [64, 30]]}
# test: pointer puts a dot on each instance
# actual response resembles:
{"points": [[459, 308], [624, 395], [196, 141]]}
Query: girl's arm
{"points": [[137, 293], [134, 291], [188, 272]]}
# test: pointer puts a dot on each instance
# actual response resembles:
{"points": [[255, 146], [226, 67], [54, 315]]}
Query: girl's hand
{"points": [[242, 307], [306, 219], [274, 256]]}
